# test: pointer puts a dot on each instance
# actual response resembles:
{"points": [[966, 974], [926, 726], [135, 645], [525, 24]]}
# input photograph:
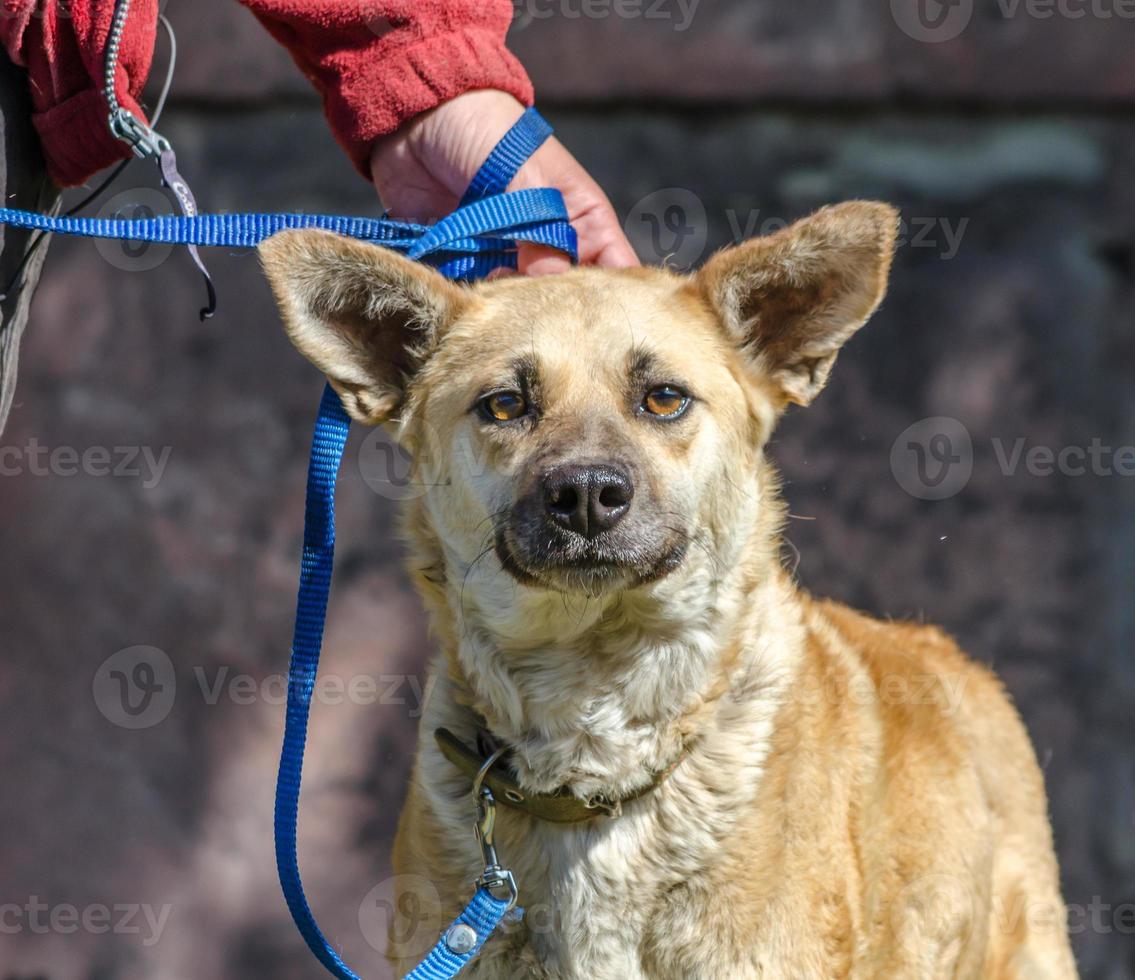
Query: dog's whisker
{"points": [[795, 551], [733, 483], [461, 591]]}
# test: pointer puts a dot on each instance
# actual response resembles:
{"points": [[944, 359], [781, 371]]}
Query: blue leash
{"points": [[521, 216], [474, 239], [481, 235]]}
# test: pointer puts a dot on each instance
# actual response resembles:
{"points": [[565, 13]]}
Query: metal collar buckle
{"points": [[494, 876], [605, 806]]}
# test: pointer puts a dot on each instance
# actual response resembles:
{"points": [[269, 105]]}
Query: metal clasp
{"points": [[144, 141], [494, 876]]}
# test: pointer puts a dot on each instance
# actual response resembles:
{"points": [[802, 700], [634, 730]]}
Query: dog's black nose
{"points": [[587, 499]]}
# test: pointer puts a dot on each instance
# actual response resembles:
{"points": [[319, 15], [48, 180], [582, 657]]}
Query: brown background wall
{"points": [[1010, 149]]}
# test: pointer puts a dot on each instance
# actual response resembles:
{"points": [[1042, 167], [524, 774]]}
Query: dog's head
{"points": [[586, 432]]}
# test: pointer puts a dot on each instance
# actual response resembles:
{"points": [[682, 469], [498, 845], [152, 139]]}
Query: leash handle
{"points": [[507, 157], [486, 211]]}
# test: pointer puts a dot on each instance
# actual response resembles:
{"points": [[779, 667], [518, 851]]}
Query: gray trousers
{"points": [[23, 184]]}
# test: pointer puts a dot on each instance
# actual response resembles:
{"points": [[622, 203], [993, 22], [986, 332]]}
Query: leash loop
{"points": [[506, 158]]}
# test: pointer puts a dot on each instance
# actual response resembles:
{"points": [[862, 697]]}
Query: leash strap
{"points": [[331, 429], [483, 914], [487, 229], [471, 230], [507, 157]]}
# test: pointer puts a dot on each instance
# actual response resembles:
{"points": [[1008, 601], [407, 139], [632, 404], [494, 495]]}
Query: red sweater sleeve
{"points": [[62, 46], [378, 63]]}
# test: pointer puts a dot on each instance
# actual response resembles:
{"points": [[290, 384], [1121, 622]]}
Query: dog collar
{"points": [[558, 807]]}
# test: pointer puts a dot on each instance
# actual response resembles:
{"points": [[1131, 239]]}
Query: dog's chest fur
{"points": [[597, 894]]}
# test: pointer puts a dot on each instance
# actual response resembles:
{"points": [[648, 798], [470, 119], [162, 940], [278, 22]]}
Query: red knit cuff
{"points": [[375, 97], [76, 139]]}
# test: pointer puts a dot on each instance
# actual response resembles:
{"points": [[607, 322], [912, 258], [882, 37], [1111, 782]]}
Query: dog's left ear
{"points": [[792, 299], [367, 317]]}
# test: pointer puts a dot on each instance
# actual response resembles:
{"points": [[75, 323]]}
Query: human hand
{"points": [[422, 170]]}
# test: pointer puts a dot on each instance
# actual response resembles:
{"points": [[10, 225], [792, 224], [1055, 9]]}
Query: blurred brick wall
{"points": [[1010, 148]]}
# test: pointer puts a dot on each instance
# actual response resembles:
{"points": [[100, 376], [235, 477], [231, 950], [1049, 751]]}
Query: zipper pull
{"points": [[188, 204]]}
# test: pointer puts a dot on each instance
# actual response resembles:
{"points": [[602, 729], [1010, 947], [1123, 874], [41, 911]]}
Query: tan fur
{"points": [[854, 798]]}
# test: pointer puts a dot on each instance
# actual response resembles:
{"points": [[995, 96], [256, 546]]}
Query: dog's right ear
{"points": [[364, 315]]}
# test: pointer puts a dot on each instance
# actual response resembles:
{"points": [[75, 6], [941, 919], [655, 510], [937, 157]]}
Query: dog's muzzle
{"points": [[584, 526]]}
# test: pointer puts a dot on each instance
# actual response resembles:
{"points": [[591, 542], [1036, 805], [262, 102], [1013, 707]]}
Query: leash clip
{"points": [[494, 876]]}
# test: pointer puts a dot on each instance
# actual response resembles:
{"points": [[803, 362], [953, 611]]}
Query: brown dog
{"points": [[708, 774]]}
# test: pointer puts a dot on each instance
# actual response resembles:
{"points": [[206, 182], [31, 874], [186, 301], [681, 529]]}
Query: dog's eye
{"points": [[666, 401], [503, 406]]}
